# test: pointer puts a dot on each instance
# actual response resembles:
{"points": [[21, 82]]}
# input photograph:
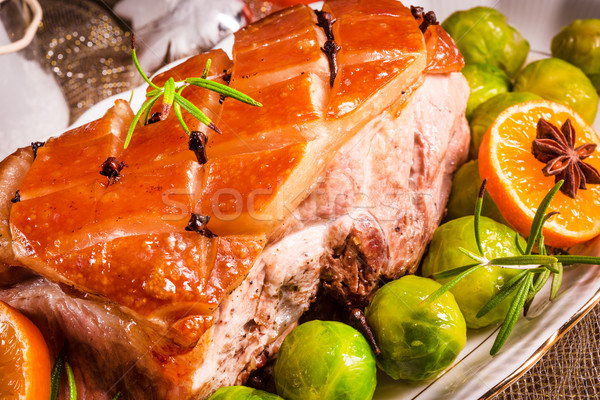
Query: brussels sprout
{"points": [[483, 36], [465, 189], [475, 290], [557, 80], [417, 340], [325, 360], [485, 81], [486, 113], [242, 393], [579, 44]]}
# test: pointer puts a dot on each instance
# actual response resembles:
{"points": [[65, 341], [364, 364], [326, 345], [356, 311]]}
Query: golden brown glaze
{"points": [[171, 275], [125, 240], [75, 157], [241, 188], [380, 41], [442, 54]]}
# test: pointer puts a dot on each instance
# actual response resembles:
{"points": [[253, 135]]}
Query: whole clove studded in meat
{"points": [[427, 19], [227, 76], [417, 12], [197, 144], [197, 223], [35, 146], [111, 168], [331, 49], [161, 114], [325, 21], [17, 197], [155, 117]]}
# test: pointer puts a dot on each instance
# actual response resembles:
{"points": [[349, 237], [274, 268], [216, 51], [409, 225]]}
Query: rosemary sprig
{"points": [[56, 375], [536, 268], [172, 98], [71, 381], [513, 314], [506, 291]]}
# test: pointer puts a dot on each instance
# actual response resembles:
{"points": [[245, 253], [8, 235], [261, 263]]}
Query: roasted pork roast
{"points": [[167, 275]]}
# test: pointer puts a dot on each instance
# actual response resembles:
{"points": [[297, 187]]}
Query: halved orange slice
{"points": [[24, 360], [516, 180]]}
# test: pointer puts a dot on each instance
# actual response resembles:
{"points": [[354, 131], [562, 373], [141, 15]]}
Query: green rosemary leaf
{"points": [[169, 91], [556, 281], [510, 287], [552, 268], [477, 216], [523, 261], [153, 93], [137, 117], [452, 272], [448, 285], [72, 384], [540, 217], [146, 115], [541, 246], [223, 89], [117, 396], [192, 109], [56, 374], [513, 314], [139, 67], [538, 283], [480, 260], [518, 244], [180, 118], [568, 259], [206, 68]]}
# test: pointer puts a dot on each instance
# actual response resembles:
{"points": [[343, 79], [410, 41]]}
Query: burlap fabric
{"points": [[87, 48]]}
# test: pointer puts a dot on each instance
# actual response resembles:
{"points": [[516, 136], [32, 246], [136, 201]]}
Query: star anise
{"points": [[556, 148]]}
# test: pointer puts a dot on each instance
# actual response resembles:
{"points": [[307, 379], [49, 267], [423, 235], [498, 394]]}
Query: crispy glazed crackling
{"points": [[124, 240]]}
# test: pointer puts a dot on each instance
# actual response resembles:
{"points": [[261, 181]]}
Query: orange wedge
{"points": [[24, 360], [516, 181]]}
